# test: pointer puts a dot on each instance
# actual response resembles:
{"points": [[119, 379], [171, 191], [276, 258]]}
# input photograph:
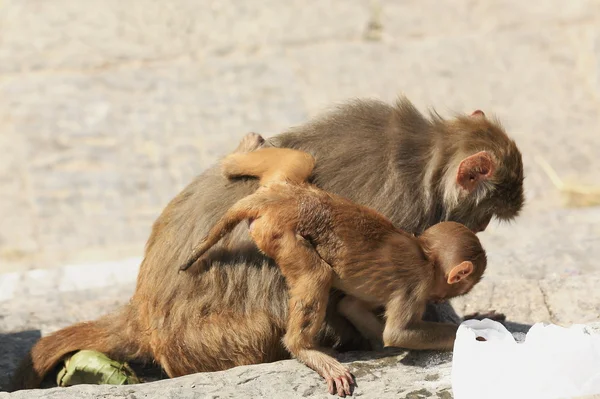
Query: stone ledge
{"points": [[391, 373]]}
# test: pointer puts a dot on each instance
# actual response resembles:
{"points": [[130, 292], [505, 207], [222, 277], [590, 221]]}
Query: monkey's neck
{"points": [[418, 158]]}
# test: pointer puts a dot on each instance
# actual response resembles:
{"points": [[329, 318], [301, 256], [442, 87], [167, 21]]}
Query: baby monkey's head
{"points": [[458, 258]]}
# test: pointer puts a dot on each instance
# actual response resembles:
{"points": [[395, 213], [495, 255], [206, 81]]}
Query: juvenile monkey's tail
{"points": [[270, 164], [112, 335], [246, 208]]}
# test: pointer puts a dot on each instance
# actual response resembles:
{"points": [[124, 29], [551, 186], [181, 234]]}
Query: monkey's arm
{"points": [[246, 208], [405, 329], [362, 317], [423, 335], [309, 280]]}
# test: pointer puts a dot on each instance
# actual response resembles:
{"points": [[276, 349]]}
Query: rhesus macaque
{"points": [[321, 240], [413, 169]]}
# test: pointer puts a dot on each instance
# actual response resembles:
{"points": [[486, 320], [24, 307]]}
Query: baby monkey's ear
{"points": [[460, 272]]}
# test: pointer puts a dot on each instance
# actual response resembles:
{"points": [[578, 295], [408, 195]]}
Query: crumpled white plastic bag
{"points": [[552, 362]]}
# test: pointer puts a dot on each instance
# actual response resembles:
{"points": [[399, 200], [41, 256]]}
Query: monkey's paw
{"points": [[492, 315], [339, 380]]}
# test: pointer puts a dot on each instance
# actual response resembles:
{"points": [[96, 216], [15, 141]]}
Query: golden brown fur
{"points": [[321, 240], [388, 157], [143, 329]]}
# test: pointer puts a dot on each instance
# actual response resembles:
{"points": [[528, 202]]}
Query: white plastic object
{"points": [[552, 362]]}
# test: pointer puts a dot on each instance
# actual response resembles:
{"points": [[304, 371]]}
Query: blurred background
{"points": [[109, 108]]}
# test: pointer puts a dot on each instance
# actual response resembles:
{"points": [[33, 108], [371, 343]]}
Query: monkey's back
{"points": [[324, 218], [370, 257]]}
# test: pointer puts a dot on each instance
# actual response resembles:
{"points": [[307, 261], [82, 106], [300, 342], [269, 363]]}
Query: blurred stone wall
{"points": [[109, 108]]}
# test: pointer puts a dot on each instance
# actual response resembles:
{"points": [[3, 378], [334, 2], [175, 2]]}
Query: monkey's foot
{"points": [[91, 367], [339, 380], [492, 315]]}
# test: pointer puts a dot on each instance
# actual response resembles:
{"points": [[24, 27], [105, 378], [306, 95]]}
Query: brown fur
{"points": [[321, 240], [388, 157]]}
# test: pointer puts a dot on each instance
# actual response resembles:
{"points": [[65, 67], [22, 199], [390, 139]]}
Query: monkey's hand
{"points": [[339, 380], [202, 262], [188, 263], [492, 315]]}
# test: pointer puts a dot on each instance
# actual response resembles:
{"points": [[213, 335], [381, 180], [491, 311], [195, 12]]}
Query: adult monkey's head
{"points": [[484, 173], [415, 170]]}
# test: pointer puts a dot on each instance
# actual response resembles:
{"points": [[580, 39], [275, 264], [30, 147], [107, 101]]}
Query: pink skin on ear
{"points": [[473, 169], [460, 272], [478, 112]]}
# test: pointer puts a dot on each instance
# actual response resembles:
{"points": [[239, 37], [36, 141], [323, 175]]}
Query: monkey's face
{"points": [[489, 174], [460, 289], [458, 257], [501, 196], [475, 217], [501, 202], [448, 291]]}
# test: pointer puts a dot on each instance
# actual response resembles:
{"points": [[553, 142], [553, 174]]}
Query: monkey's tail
{"points": [[111, 335], [246, 208], [270, 164]]}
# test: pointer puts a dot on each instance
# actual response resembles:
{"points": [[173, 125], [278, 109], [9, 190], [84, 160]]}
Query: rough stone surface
{"points": [[108, 109], [396, 375]]}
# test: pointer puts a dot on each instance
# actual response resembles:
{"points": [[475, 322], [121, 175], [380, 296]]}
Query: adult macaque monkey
{"points": [[320, 240], [416, 171]]}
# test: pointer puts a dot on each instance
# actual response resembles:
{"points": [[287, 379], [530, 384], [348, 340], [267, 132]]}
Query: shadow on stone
{"points": [[14, 347], [423, 358], [148, 372]]}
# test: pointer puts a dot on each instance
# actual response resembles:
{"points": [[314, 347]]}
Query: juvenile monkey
{"points": [[416, 170], [321, 240]]}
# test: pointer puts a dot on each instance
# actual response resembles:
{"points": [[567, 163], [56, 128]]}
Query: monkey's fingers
{"points": [[330, 385], [193, 258], [347, 381], [188, 263], [350, 378], [339, 383]]}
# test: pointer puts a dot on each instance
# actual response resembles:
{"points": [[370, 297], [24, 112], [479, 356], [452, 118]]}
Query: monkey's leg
{"points": [[362, 317], [422, 335], [309, 280], [250, 142], [405, 329], [270, 164]]}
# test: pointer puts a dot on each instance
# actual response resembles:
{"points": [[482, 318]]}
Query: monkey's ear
{"points": [[473, 169], [460, 272], [478, 112]]}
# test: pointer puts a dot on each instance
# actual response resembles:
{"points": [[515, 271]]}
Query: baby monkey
{"points": [[320, 240]]}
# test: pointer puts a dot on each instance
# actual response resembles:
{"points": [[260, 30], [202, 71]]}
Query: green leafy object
{"points": [[91, 367]]}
